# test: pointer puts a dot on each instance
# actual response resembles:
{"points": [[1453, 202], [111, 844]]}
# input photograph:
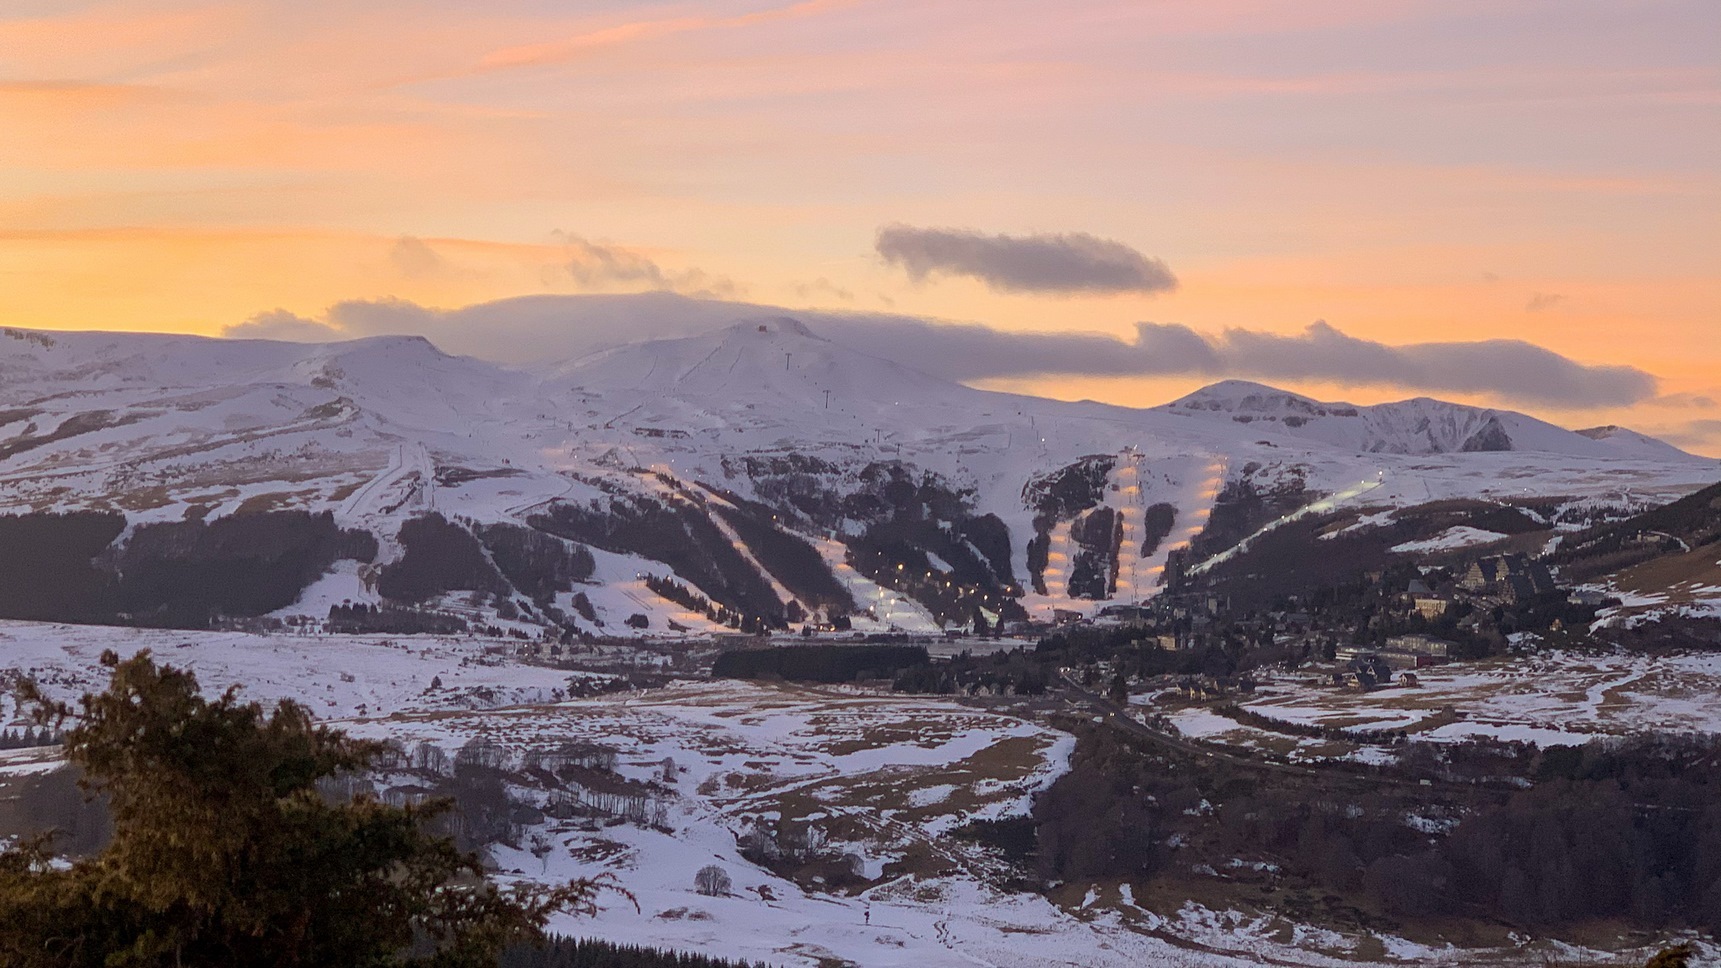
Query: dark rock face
{"points": [[1492, 437]]}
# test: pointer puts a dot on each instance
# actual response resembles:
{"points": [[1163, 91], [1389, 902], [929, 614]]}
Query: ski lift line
{"points": [[1318, 507]]}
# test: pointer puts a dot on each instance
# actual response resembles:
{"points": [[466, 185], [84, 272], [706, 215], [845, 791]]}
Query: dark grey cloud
{"points": [[549, 328], [1508, 369], [1071, 263]]}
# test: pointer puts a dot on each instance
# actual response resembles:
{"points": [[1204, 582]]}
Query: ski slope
{"points": [[380, 429]]}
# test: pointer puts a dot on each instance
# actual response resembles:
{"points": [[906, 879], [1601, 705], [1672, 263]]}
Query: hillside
{"points": [[1665, 563], [1419, 426], [759, 475]]}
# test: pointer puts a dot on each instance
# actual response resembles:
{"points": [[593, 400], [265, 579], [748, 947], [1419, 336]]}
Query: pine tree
{"points": [[225, 854]]}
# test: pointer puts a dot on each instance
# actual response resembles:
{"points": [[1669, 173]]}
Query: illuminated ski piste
{"points": [[1322, 506]]}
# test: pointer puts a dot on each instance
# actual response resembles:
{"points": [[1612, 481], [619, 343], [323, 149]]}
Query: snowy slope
{"points": [[1418, 426], [376, 430], [1626, 442]]}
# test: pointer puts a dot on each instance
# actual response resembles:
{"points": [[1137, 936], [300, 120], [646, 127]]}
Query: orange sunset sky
{"points": [[1410, 171]]}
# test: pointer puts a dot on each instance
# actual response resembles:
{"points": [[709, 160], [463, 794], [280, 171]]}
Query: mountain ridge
{"points": [[1418, 425], [762, 435]]}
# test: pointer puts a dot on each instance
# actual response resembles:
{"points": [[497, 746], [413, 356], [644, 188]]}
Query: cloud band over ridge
{"points": [[540, 328]]}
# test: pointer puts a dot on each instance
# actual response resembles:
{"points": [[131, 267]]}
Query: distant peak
{"points": [[1232, 395], [1240, 388], [386, 342], [772, 325]]}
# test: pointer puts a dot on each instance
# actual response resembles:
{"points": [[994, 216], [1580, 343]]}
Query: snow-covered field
{"points": [[888, 777], [1548, 698], [336, 677], [1462, 536], [885, 777]]}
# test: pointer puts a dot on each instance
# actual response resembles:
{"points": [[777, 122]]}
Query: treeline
{"points": [[679, 534], [680, 594], [185, 573], [1068, 491], [790, 559], [1692, 521], [1134, 650], [800, 489], [1013, 673], [538, 564], [28, 738], [669, 588], [592, 953], [820, 663], [495, 561], [48, 570], [1059, 496], [921, 519], [1156, 527], [1097, 535], [360, 618], [83, 567], [1613, 831], [804, 488], [1288, 727], [896, 554], [182, 574], [439, 557], [1242, 508]]}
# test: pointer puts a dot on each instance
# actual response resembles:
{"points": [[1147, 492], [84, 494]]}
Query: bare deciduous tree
{"points": [[712, 881]]}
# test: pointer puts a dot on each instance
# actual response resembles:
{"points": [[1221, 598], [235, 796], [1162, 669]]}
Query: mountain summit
{"points": [[760, 465], [1418, 426]]}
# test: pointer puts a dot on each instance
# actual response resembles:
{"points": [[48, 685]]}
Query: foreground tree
{"points": [[224, 853]]}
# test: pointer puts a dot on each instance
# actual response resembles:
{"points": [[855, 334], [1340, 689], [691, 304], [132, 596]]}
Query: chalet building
{"points": [[1126, 613], [1512, 577], [1426, 645], [1430, 607], [1364, 675]]}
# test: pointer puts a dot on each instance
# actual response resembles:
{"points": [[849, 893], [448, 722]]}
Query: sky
{"points": [[1507, 202]]}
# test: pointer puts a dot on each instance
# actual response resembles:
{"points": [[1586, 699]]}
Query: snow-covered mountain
{"points": [[1418, 426], [1629, 443], [736, 461]]}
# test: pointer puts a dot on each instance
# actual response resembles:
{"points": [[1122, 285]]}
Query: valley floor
{"points": [[1553, 698], [886, 778]]}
